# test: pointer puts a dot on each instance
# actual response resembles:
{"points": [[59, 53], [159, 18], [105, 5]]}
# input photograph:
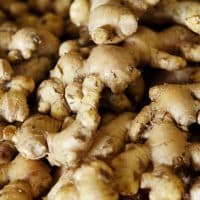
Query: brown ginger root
{"points": [[51, 99], [163, 184], [79, 134], [34, 172], [182, 12], [26, 41], [181, 95], [128, 167], [30, 138], [93, 180], [14, 92], [168, 144], [121, 73], [116, 23], [109, 141]]}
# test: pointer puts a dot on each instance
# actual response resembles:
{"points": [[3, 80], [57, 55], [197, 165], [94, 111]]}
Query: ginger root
{"points": [[14, 92], [116, 23], [129, 166], [182, 12], [163, 184], [30, 138], [35, 173], [109, 141]]}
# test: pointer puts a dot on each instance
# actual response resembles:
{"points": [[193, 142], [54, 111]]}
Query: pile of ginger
{"points": [[99, 99]]}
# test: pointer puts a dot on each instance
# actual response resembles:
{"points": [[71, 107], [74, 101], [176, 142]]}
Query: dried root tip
{"points": [[102, 35]]}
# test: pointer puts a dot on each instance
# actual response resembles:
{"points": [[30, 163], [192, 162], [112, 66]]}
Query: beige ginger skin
{"points": [[35, 174], [109, 29], [92, 180], [128, 167], [183, 12], [163, 184], [14, 93], [120, 74]]}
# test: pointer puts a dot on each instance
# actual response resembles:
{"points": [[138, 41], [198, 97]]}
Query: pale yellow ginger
{"points": [[76, 46], [34, 173], [163, 184], [73, 96], [92, 180], [108, 21], [78, 136], [128, 167], [120, 72], [67, 46], [14, 93], [27, 41], [168, 144], [95, 180], [111, 137], [175, 99], [183, 12], [79, 12], [64, 188], [30, 138], [51, 99], [195, 189]]}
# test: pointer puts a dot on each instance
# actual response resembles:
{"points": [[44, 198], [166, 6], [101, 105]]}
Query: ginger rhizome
{"points": [[92, 180], [116, 23], [183, 12], [163, 184], [14, 92], [32, 177]]}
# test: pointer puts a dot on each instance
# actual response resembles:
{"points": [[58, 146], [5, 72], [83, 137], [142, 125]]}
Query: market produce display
{"points": [[99, 99]]}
